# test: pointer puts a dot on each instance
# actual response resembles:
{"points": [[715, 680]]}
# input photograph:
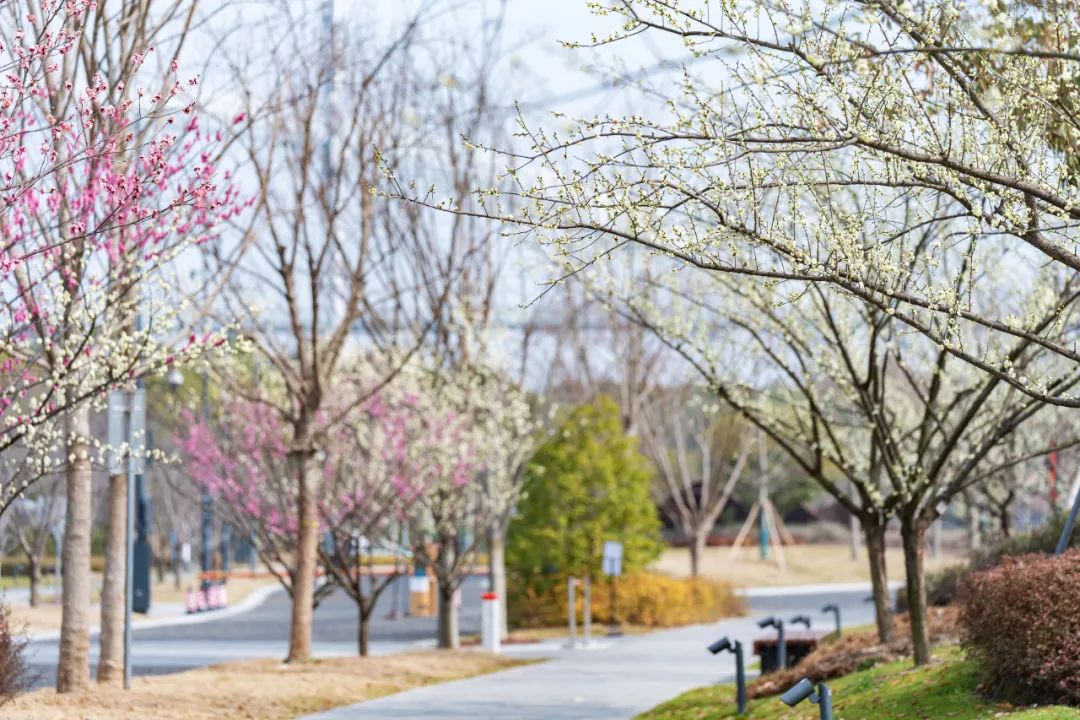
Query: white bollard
{"points": [[489, 627], [586, 621], [571, 611]]}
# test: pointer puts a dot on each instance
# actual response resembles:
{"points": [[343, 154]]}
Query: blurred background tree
{"points": [[587, 484]]}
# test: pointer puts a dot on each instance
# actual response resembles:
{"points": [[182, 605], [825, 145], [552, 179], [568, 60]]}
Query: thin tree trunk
{"points": [[449, 637], [73, 665], [1005, 520], [35, 580], [178, 564], [698, 541], [913, 532], [159, 557], [497, 571], [111, 641], [306, 560], [363, 635], [879, 579]]}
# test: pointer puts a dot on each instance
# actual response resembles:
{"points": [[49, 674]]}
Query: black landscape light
{"points": [[800, 620], [781, 644], [805, 690], [734, 647], [835, 610]]}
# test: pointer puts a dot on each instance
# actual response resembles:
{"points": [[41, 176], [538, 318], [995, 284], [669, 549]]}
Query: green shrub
{"points": [[1021, 622], [643, 599], [586, 485]]}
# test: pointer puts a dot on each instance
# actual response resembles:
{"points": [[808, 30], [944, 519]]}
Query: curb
{"points": [[252, 601], [821, 589]]}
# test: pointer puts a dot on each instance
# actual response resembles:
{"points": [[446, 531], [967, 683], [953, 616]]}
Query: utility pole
{"points": [[135, 425], [763, 500], [205, 557]]}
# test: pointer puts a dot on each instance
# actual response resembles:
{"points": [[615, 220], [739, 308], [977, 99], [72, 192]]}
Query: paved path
{"points": [[615, 681]]}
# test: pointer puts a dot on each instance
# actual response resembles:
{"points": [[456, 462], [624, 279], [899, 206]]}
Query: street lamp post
{"points": [[781, 644], [734, 647], [805, 690], [205, 559], [835, 610], [134, 411]]}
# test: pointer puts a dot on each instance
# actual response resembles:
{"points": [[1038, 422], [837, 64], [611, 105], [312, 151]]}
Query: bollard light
{"points": [[735, 647], [781, 643], [805, 690], [800, 620], [835, 610]]}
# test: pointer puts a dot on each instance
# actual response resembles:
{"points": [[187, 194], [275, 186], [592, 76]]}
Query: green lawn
{"points": [[897, 691]]}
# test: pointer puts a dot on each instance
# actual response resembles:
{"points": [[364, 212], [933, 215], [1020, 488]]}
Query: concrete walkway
{"points": [[614, 681], [617, 680]]}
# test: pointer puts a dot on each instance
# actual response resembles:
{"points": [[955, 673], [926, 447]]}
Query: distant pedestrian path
{"points": [[615, 681]]}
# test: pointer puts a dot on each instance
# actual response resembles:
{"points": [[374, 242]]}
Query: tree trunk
{"points": [[449, 637], [698, 542], [306, 558], [879, 579], [913, 531], [1005, 519], [364, 632], [73, 664], [113, 595], [177, 563], [159, 557], [497, 572], [35, 579]]}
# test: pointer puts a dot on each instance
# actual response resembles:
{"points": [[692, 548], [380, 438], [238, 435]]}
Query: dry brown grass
{"points": [[46, 616], [258, 689], [857, 651], [806, 565]]}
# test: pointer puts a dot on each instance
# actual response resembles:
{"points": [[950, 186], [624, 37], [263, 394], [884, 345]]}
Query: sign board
{"points": [[612, 558], [126, 413]]}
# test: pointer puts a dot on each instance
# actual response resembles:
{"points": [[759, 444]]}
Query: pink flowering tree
{"points": [[369, 484], [106, 179], [102, 186]]}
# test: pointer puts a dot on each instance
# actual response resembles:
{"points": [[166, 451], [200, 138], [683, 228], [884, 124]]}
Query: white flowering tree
{"points": [[477, 433], [880, 169], [949, 121], [884, 420]]}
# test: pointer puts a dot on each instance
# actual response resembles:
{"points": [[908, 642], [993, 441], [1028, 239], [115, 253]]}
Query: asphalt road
{"points": [[263, 631]]}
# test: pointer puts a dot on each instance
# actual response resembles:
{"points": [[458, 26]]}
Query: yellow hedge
{"points": [[644, 599]]}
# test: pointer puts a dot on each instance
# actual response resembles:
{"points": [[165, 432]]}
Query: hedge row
{"points": [[644, 599]]}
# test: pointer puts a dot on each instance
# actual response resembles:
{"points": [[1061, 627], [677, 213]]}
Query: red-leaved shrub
{"points": [[1021, 622], [14, 675]]}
